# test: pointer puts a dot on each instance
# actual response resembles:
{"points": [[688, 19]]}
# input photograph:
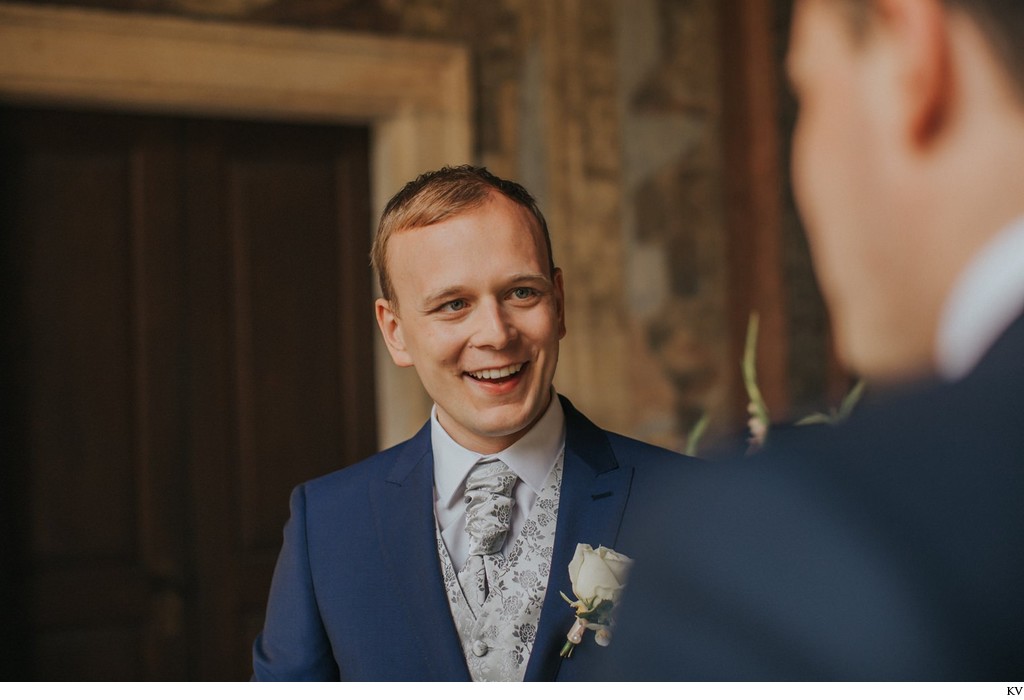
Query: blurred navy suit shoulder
{"points": [[357, 592], [885, 549]]}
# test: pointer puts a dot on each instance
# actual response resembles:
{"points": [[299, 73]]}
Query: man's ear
{"points": [[920, 44], [391, 329]]}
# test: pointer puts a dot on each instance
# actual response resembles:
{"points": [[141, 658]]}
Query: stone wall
{"points": [[672, 224]]}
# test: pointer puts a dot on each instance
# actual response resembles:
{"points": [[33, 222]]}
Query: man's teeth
{"points": [[497, 373]]}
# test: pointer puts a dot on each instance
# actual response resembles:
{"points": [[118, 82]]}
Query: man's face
{"points": [[479, 317], [841, 179]]}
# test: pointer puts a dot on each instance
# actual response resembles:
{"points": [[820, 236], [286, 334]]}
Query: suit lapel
{"points": [[595, 488], [403, 507]]}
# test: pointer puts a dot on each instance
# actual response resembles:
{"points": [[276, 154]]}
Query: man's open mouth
{"points": [[498, 373]]}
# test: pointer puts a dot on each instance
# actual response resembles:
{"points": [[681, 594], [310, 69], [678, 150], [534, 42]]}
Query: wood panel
{"points": [[191, 336], [90, 358], [294, 284]]}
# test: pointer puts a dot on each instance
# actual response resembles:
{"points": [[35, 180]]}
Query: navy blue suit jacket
{"points": [[358, 594], [889, 548]]}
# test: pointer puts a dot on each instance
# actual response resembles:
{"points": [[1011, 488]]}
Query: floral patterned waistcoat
{"points": [[497, 639]]}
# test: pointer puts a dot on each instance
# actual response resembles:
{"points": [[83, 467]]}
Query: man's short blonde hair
{"points": [[439, 195]]}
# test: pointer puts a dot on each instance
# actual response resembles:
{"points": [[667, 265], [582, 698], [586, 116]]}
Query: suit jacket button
{"points": [[479, 648]]}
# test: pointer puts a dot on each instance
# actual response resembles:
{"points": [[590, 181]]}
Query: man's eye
{"points": [[454, 305], [522, 293]]}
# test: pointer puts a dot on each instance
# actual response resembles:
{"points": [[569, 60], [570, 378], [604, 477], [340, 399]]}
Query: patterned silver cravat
{"points": [[488, 516]]}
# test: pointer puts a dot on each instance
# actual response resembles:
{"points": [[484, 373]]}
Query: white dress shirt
{"points": [[986, 299], [532, 458]]}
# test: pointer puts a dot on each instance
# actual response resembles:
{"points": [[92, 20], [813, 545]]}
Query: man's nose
{"points": [[492, 328]]}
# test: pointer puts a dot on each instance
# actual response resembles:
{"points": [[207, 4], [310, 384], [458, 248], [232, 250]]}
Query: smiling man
{"points": [[443, 558]]}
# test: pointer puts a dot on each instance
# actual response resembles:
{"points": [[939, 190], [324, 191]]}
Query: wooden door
{"points": [[188, 326]]}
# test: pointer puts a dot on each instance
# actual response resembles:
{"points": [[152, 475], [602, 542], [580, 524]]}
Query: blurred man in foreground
{"points": [[889, 548]]}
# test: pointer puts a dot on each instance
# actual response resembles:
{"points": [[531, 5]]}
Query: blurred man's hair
{"points": [[439, 195], [1001, 21]]}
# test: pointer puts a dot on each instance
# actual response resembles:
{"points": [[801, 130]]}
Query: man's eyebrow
{"points": [[535, 279], [435, 298]]}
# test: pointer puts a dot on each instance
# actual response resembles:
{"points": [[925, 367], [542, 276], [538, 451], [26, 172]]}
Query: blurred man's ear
{"points": [[917, 41], [391, 329]]}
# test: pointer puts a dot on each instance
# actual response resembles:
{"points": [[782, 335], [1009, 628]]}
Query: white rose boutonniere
{"points": [[598, 577]]}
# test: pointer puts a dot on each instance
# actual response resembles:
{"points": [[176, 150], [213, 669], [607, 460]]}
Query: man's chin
{"points": [[515, 423]]}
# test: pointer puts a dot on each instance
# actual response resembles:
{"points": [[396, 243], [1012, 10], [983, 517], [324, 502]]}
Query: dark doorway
{"points": [[186, 306]]}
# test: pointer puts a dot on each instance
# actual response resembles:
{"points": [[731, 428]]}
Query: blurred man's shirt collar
{"points": [[986, 299]]}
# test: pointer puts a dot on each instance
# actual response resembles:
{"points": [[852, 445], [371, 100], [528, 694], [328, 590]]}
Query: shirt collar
{"points": [[531, 457], [987, 297]]}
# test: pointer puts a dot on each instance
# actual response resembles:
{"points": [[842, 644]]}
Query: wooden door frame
{"points": [[414, 95], [753, 188]]}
